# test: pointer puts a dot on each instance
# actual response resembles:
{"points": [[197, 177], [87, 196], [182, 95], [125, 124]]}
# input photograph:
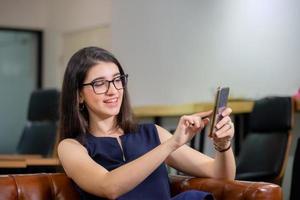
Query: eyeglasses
{"points": [[102, 86]]}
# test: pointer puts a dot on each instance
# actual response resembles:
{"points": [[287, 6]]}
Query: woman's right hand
{"points": [[188, 126]]}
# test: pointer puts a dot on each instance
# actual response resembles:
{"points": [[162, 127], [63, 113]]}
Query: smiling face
{"points": [[104, 105]]}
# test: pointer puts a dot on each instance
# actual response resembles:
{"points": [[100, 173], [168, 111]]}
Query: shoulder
{"points": [[69, 147], [71, 153], [69, 143]]}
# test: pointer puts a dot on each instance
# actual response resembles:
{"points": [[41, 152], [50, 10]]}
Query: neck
{"points": [[104, 127]]}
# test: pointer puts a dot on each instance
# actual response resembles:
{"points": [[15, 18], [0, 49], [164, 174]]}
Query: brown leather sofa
{"points": [[57, 186]]}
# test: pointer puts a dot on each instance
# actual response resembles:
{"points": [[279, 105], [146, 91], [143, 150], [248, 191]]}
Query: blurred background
{"points": [[174, 51]]}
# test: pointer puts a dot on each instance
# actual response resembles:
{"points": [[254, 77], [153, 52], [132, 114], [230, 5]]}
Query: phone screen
{"points": [[220, 105]]}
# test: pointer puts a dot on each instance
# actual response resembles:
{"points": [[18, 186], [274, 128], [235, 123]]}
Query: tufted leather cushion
{"points": [[57, 186], [37, 187], [228, 190]]}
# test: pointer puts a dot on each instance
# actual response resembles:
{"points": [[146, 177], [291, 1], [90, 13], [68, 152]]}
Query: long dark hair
{"points": [[74, 120]]}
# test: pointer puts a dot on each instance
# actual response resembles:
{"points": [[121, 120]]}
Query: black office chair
{"points": [[40, 132], [264, 152], [295, 192]]}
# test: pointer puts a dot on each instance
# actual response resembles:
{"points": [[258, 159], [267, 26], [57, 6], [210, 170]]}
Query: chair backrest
{"points": [[40, 132], [295, 192], [272, 114], [43, 105], [264, 152]]}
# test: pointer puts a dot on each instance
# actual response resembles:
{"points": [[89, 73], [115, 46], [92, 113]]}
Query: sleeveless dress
{"points": [[107, 152]]}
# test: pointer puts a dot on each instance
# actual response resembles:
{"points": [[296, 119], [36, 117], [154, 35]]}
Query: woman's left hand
{"points": [[224, 131]]}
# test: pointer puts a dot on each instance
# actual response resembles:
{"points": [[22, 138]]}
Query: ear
{"points": [[81, 99]]}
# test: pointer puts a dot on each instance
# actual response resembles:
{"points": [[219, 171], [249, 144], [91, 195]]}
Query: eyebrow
{"points": [[103, 78]]}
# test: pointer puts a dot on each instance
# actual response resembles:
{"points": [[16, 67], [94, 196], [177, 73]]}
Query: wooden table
{"points": [[12, 164], [238, 106], [18, 156], [42, 162], [24, 161]]}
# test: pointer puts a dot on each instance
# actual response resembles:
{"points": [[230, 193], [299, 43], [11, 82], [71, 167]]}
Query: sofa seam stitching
{"points": [[16, 186], [50, 179]]}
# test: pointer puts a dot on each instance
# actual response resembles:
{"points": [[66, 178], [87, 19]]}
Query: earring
{"points": [[81, 106]]}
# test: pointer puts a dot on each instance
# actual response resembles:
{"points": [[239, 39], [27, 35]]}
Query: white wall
{"points": [[179, 51], [23, 14], [65, 16], [70, 15]]}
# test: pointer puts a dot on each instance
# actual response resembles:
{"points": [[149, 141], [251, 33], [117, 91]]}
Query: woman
{"points": [[107, 155]]}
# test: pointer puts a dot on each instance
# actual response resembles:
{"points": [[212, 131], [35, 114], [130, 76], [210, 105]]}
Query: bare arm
{"points": [[197, 164], [95, 179]]}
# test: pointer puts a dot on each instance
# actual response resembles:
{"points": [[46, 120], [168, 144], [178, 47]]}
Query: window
{"points": [[20, 74]]}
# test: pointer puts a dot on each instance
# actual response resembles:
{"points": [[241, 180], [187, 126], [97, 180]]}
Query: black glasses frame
{"points": [[92, 83]]}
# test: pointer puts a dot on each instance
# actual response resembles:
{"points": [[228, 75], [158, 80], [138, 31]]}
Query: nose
{"points": [[111, 88]]}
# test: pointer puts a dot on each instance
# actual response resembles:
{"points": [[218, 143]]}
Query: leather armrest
{"points": [[226, 189]]}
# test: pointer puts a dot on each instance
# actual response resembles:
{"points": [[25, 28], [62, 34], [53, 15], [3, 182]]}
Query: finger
{"points": [[226, 130], [226, 112], [186, 123], [188, 120], [197, 121], [222, 141], [219, 132], [226, 134], [203, 114], [223, 121], [205, 121]]}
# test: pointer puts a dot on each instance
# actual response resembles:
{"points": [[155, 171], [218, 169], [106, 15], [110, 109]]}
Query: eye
{"points": [[99, 83], [118, 79]]}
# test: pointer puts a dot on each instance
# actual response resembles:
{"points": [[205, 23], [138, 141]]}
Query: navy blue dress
{"points": [[107, 152]]}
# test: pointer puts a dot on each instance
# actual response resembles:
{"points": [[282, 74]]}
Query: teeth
{"points": [[111, 101]]}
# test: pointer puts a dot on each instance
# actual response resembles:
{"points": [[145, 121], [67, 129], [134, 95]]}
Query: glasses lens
{"points": [[100, 87], [120, 82]]}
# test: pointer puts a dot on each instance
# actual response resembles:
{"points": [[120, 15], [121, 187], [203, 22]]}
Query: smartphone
{"points": [[221, 99]]}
